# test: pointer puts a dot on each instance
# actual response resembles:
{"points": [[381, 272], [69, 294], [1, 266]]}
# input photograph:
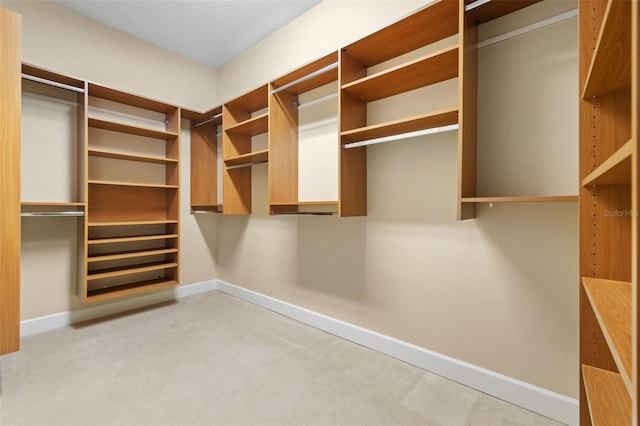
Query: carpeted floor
{"points": [[211, 359]]}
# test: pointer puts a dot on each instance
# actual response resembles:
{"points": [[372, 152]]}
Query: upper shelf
{"points": [[611, 303], [430, 24], [129, 99], [254, 100], [424, 71], [129, 129], [411, 124], [615, 170], [610, 70], [48, 77], [310, 76], [481, 11], [251, 127], [130, 157]]}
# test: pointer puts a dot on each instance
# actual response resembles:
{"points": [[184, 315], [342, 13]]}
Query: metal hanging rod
{"points": [[306, 77], [400, 136], [528, 28], [206, 212], [49, 98], [304, 213], [315, 101], [52, 83], [126, 115], [475, 4], [208, 120], [239, 166], [53, 214]]}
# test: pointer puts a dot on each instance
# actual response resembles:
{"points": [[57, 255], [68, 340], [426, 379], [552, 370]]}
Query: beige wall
{"points": [[65, 42], [499, 291]]}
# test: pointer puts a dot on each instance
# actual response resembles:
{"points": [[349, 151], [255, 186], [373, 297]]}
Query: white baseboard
{"points": [[63, 319], [551, 404]]}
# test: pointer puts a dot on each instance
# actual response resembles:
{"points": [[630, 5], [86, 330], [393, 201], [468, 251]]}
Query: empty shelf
{"points": [[615, 170], [611, 303], [609, 401]]}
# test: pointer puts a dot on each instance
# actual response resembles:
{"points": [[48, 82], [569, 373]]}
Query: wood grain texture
{"points": [[253, 100], [52, 76], [352, 163], [611, 303], [609, 402], [251, 127], [130, 99], [305, 70], [127, 204], [421, 72], [467, 115], [615, 170], [608, 213], [131, 289], [430, 24], [10, 109], [249, 158], [236, 192], [405, 125], [610, 69], [204, 165], [495, 9], [131, 130], [283, 148]]}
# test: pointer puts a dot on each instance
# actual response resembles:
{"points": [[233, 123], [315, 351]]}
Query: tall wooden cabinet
{"points": [[10, 83], [133, 199], [609, 212]]}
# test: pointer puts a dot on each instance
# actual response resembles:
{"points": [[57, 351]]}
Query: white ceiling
{"points": [[207, 31]]}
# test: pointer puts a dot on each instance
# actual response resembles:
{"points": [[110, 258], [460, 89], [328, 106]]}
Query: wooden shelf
{"points": [[608, 399], [615, 170], [133, 223], [424, 71], [251, 127], [52, 76], [132, 184], [130, 157], [129, 270], [131, 239], [128, 289], [610, 70], [521, 199], [313, 82], [129, 99], [428, 25], [131, 130], [411, 124], [250, 158], [495, 9], [254, 100], [200, 208], [50, 204], [611, 303], [129, 254]]}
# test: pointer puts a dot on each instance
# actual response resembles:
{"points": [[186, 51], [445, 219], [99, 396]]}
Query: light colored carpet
{"points": [[211, 359]]}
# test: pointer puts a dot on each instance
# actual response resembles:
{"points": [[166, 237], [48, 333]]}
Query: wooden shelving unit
{"points": [[476, 13], [132, 228], [204, 130], [428, 25], [243, 118], [284, 134], [608, 207]]}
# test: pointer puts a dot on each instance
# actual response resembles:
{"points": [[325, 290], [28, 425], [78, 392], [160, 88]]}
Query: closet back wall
{"points": [[68, 43], [498, 291]]}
